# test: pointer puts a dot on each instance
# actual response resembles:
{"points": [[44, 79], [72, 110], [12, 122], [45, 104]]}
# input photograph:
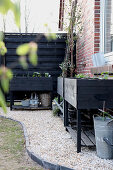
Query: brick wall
{"points": [[89, 41]]}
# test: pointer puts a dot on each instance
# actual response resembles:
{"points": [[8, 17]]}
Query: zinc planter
{"points": [[25, 102], [104, 137]]}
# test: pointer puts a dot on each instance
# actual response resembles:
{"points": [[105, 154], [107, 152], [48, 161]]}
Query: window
{"points": [[106, 26]]}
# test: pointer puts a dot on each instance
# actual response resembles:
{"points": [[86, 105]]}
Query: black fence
{"points": [[50, 54]]}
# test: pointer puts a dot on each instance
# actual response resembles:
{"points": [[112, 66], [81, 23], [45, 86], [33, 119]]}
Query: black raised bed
{"points": [[21, 85], [84, 94]]}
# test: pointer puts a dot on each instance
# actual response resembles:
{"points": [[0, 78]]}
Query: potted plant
{"points": [[103, 126]]}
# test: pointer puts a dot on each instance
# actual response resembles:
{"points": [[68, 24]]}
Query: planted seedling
{"points": [[36, 74], [104, 113], [47, 75]]}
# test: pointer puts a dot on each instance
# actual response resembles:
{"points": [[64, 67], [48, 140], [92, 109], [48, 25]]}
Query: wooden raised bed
{"points": [[85, 94], [88, 93], [29, 84]]}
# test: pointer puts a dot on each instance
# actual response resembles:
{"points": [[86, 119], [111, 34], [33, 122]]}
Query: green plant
{"points": [[82, 76], [104, 113], [56, 111], [36, 74], [47, 75], [104, 75], [64, 67], [56, 98]]}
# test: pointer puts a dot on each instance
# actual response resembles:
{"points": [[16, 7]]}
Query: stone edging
{"points": [[45, 164]]}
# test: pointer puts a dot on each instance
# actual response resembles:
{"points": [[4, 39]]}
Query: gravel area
{"points": [[50, 141]]}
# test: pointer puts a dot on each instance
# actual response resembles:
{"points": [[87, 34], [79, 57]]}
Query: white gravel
{"points": [[49, 140]]}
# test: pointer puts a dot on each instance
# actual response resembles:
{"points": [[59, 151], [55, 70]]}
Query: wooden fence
{"points": [[50, 54]]}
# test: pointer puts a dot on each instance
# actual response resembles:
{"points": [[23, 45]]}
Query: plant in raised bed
{"points": [[36, 74], [82, 76], [47, 75]]}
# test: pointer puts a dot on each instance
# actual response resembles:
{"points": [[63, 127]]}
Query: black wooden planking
{"points": [[94, 104], [50, 53], [94, 83], [73, 134], [95, 98], [38, 68], [28, 39], [39, 65], [90, 135], [31, 34], [31, 84], [42, 59], [42, 53], [25, 72], [40, 45], [95, 90], [20, 107], [87, 137], [35, 39], [92, 93]]}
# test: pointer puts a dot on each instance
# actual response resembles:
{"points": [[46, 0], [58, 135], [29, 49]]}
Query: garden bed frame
{"points": [[84, 94], [30, 84]]}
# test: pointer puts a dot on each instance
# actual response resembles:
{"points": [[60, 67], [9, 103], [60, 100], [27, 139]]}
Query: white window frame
{"points": [[102, 25]]}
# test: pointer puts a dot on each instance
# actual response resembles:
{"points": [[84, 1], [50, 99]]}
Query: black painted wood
{"points": [[28, 85], [31, 84], [50, 54], [87, 137], [92, 93], [20, 107], [78, 131], [66, 122], [88, 93]]}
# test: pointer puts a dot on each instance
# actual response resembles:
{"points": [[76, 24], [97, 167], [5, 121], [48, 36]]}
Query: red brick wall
{"points": [[97, 26], [89, 41]]}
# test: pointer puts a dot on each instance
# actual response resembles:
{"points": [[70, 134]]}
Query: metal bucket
{"points": [[25, 102], [104, 137]]}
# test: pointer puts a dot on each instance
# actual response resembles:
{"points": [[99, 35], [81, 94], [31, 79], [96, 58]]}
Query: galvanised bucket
{"points": [[104, 137]]}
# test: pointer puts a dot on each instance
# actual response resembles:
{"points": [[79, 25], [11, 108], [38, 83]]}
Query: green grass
{"points": [[13, 139], [12, 147]]}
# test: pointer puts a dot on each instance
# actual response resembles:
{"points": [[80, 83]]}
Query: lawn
{"points": [[12, 148]]}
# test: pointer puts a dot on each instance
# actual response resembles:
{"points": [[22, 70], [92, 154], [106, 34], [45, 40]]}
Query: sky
{"points": [[40, 12]]}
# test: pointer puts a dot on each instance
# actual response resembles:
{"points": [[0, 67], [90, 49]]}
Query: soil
{"points": [[13, 154]]}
